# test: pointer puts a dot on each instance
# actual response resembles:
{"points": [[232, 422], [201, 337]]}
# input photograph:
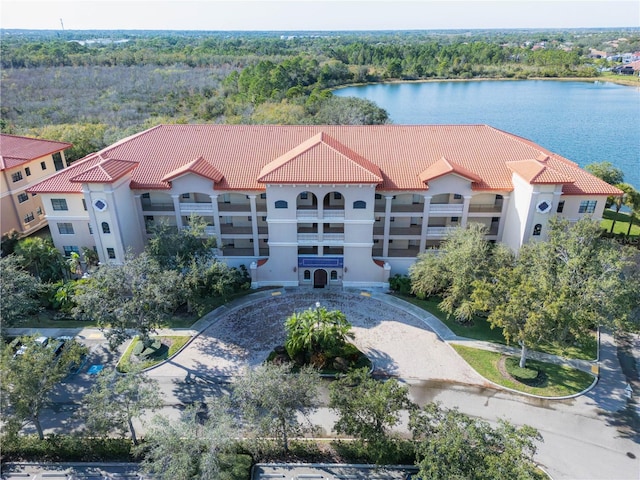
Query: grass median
{"points": [[169, 346], [539, 378]]}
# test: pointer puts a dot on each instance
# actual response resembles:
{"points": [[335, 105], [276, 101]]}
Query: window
{"points": [[454, 219], [392, 219], [282, 204], [22, 197], [337, 195], [249, 218], [57, 161], [106, 228], [59, 204], [304, 195], [65, 229], [376, 241], [111, 253], [457, 196], [145, 195], [16, 177], [69, 249], [264, 219], [378, 196], [186, 195], [307, 275], [43, 165], [27, 171], [414, 221], [560, 206], [359, 204], [39, 211], [263, 196], [29, 218], [334, 275], [587, 206], [90, 229], [537, 229], [84, 204]]}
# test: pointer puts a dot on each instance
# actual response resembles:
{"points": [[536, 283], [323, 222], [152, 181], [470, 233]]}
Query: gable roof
{"points": [[321, 159], [394, 157], [16, 150], [106, 171], [199, 166], [538, 172], [444, 167]]}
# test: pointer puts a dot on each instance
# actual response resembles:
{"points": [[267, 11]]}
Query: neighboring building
{"points": [[24, 162], [316, 205]]}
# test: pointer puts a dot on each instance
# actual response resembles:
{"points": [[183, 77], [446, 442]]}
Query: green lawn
{"points": [[622, 223], [480, 329], [170, 346], [557, 381]]}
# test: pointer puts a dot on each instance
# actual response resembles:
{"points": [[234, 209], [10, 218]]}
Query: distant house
{"points": [[24, 162], [628, 69], [316, 205]]}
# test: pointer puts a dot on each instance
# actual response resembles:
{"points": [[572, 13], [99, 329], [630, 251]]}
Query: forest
{"points": [[92, 88]]}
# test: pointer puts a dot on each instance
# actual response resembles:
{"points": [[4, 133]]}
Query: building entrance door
{"points": [[319, 278]]}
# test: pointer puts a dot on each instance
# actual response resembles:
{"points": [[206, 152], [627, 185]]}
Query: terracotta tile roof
{"points": [[106, 171], [537, 172], [16, 150], [444, 167], [249, 155], [321, 159], [200, 167]]}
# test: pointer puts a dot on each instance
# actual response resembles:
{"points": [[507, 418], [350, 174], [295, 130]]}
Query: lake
{"points": [[585, 122]]}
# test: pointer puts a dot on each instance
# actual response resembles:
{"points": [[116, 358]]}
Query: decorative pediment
{"points": [[199, 167], [538, 172], [107, 170], [321, 159], [445, 167]]}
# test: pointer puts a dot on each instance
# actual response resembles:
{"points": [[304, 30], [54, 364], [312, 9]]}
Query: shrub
{"points": [[400, 284]]}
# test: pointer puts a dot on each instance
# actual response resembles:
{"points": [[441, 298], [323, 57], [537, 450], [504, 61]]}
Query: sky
{"points": [[296, 15]]}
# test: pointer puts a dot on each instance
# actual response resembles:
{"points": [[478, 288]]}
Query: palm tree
{"points": [[624, 199]]}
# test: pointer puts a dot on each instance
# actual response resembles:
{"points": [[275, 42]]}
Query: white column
{"points": [[116, 231], [94, 224], [503, 216], [176, 207], [425, 222], [254, 226], [387, 225], [216, 219], [527, 226], [465, 210]]}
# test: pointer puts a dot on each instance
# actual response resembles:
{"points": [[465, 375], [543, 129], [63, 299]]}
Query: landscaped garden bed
{"points": [[141, 356]]}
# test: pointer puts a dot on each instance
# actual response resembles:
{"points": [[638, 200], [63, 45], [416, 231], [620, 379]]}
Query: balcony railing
{"points": [[449, 209], [314, 237], [485, 207], [190, 207], [439, 231], [302, 214], [157, 207]]}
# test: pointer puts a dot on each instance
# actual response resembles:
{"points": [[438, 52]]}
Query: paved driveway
{"points": [[399, 343]]}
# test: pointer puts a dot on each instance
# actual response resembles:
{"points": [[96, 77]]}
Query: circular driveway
{"points": [[399, 343]]}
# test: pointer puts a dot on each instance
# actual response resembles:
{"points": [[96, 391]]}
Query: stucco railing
{"points": [[448, 208]]}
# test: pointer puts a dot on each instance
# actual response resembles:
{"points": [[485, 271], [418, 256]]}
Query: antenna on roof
{"points": [[62, 25]]}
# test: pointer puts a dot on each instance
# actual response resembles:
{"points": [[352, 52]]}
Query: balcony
{"points": [[446, 209], [312, 238], [312, 214], [204, 208], [439, 231], [234, 207], [413, 230], [157, 207], [485, 207], [407, 207]]}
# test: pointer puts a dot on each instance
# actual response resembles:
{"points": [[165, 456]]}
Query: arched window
{"points": [[359, 204], [105, 228], [537, 229], [281, 204], [307, 274], [334, 275]]}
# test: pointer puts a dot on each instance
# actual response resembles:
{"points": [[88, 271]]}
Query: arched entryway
{"points": [[319, 278]]}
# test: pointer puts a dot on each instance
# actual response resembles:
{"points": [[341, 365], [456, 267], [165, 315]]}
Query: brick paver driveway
{"points": [[399, 343]]}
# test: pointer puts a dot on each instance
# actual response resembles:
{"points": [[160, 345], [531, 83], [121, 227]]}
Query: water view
{"points": [[585, 122]]}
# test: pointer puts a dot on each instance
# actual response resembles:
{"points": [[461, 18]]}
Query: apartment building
{"points": [[24, 162], [316, 205]]}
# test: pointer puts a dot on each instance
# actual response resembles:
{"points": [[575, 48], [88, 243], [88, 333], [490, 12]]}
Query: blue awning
{"points": [[321, 262]]}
